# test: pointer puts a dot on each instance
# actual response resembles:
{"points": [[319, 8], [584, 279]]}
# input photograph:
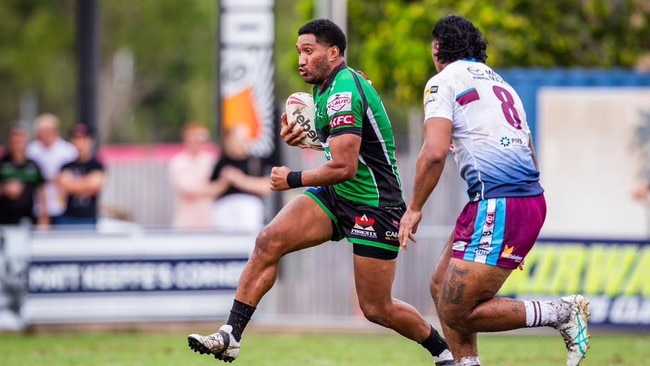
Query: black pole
{"points": [[88, 62]]}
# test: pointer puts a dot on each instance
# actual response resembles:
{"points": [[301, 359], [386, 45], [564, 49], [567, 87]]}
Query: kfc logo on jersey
{"points": [[339, 102], [342, 120]]}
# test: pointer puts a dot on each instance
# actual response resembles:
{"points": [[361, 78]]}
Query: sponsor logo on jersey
{"points": [[489, 219], [364, 222], [475, 70], [391, 235], [342, 120], [485, 245], [507, 253], [482, 252], [429, 99], [363, 227], [432, 90], [339, 102], [506, 141], [484, 248], [459, 245], [428, 94], [488, 75]]}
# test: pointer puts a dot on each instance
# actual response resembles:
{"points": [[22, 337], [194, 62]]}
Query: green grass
{"points": [[140, 348]]}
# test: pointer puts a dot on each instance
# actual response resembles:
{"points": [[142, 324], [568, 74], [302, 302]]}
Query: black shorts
{"points": [[371, 230]]}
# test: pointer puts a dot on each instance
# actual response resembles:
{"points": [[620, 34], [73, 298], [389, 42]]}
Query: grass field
{"points": [[266, 349]]}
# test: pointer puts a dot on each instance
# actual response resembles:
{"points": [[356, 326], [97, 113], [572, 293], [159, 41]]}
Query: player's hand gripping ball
{"points": [[300, 108]]}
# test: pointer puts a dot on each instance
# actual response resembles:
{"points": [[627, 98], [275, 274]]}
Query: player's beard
{"points": [[317, 74]]}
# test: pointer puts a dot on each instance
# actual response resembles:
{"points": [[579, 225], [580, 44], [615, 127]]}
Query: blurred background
{"points": [[165, 88]]}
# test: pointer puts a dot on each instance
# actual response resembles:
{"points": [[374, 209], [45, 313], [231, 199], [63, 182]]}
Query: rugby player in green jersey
{"points": [[356, 194]]}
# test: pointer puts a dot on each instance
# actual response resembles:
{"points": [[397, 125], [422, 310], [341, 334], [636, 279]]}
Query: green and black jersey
{"points": [[348, 103]]}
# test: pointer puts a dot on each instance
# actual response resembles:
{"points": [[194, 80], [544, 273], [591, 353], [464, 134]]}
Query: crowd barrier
{"points": [[68, 277]]}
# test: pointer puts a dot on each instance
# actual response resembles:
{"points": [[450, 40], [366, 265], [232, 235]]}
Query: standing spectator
{"points": [[50, 152], [81, 181], [189, 174], [239, 185], [21, 182]]}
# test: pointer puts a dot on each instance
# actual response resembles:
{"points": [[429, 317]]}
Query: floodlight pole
{"points": [[88, 62]]}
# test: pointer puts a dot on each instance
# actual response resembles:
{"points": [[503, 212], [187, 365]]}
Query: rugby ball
{"points": [[300, 108]]}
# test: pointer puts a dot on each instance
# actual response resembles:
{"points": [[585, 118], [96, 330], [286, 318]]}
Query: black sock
{"points": [[240, 314], [435, 344]]}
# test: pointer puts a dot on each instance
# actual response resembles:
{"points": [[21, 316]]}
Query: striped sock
{"points": [[543, 313], [468, 361]]}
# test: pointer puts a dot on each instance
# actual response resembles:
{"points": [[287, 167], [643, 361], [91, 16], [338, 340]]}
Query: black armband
{"points": [[294, 179]]}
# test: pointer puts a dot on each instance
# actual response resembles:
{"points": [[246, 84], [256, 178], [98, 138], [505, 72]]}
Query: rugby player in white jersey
{"points": [[469, 104]]}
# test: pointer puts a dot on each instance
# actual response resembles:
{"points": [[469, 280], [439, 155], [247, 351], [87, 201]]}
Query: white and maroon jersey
{"points": [[490, 135]]}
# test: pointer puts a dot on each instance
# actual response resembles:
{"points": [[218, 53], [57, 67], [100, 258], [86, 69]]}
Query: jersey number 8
{"points": [[508, 106]]}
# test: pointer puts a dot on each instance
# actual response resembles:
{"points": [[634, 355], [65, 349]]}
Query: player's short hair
{"points": [[458, 38], [327, 33]]}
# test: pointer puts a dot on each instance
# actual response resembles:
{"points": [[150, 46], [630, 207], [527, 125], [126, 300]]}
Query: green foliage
{"points": [[289, 17], [36, 55], [392, 37], [173, 46]]}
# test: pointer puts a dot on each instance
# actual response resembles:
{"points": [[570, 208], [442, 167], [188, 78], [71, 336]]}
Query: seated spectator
{"points": [[21, 182], [189, 175], [239, 184], [50, 152], [81, 181]]}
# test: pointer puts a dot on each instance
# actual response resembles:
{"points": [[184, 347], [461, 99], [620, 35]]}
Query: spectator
{"points": [[21, 182], [81, 181], [50, 152], [239, 185], [641, 191], [189, 174]]}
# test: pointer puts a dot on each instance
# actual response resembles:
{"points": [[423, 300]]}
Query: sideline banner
{"points": [[613, 274], [247, 35], [13, 276], [91, 277]]}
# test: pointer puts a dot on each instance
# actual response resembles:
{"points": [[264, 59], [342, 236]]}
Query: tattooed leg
{"points": [[466, 305]]}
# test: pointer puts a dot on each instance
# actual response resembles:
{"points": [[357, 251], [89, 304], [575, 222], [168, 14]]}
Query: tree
{"points": [[390, 39], [36, 56], [166, 46], [158, 65], [554, 33]]}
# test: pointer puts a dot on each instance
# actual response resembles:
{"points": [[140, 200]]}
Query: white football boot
{"points": [[221, 344], [574, 330], [444, 359]]}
